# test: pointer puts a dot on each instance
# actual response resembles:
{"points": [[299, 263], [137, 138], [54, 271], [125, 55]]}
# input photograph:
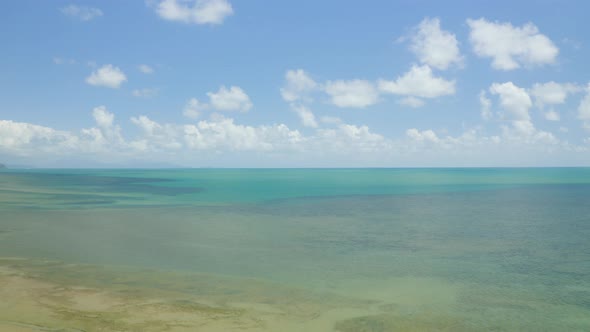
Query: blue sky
{"points": [[235, 83]]}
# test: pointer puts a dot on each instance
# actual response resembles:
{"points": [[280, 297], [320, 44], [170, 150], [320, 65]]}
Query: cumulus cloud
{"points": [[194, 108], [305, 115], [223, 134], [411, 102], [352, 93], [107, 76], [345, 138], [418, 82], [514, 144], [433, 46], [362, 136], [195, 11], [333, 120], [511, 47], [145, 92], [232, 99], [81, 13], [145, 69], [517, 103], [513, 99], [552, 93], [298, 85], [148, 126], [217, 134], [486, 106], [156, 136], [103, 117], [552, 116], [14, 136], [525, 132], [107, 130], [584, 109], [221, 139], [422, 136]]}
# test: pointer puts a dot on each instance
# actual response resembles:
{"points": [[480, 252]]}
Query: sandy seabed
{"points": [[53, 296], [50, 296]]}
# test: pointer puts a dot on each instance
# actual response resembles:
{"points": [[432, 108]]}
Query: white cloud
{"points": [[81, 13], [524, 131], [197, 11], [194, 108], [346, 139], [333, 120], [513, 99], [418, 82], [435, 47], [107, 76], [232, 99], [511, 47], [305, 115], [361, 134], [145, 69], [352, 93], [156, 136], [519, 129], [486, 105], [517, 103], [518, 144], [146, 124], [517, 100], [145, 93], [219, 135], [106, 137], [411, 102], [103, 117], [584, 109], [552, 116], [223, 134], [298, 85], [552, 93], [15, 136], [223, 142], [105, 121], [422, 136]]}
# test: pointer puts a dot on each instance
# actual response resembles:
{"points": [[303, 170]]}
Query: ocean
{"points": [[465, 249]]}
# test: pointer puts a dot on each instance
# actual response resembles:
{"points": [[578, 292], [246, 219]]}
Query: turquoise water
{"points": [[491, 249]]}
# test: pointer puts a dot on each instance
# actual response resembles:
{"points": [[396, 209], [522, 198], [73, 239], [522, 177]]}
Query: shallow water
{"points": [[316, 250]]}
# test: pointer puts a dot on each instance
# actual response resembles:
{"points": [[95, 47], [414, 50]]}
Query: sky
{"points": [[253, 83]]}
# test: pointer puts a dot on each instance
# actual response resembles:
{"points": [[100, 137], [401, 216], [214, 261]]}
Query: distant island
{"points": [[2, 166]]}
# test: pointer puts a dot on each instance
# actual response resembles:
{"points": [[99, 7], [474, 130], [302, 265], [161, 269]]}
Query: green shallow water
{"points": [[423, 249]]}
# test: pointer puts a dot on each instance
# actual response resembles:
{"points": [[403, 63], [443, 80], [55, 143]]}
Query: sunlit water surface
{"points": [[345, 250]]}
